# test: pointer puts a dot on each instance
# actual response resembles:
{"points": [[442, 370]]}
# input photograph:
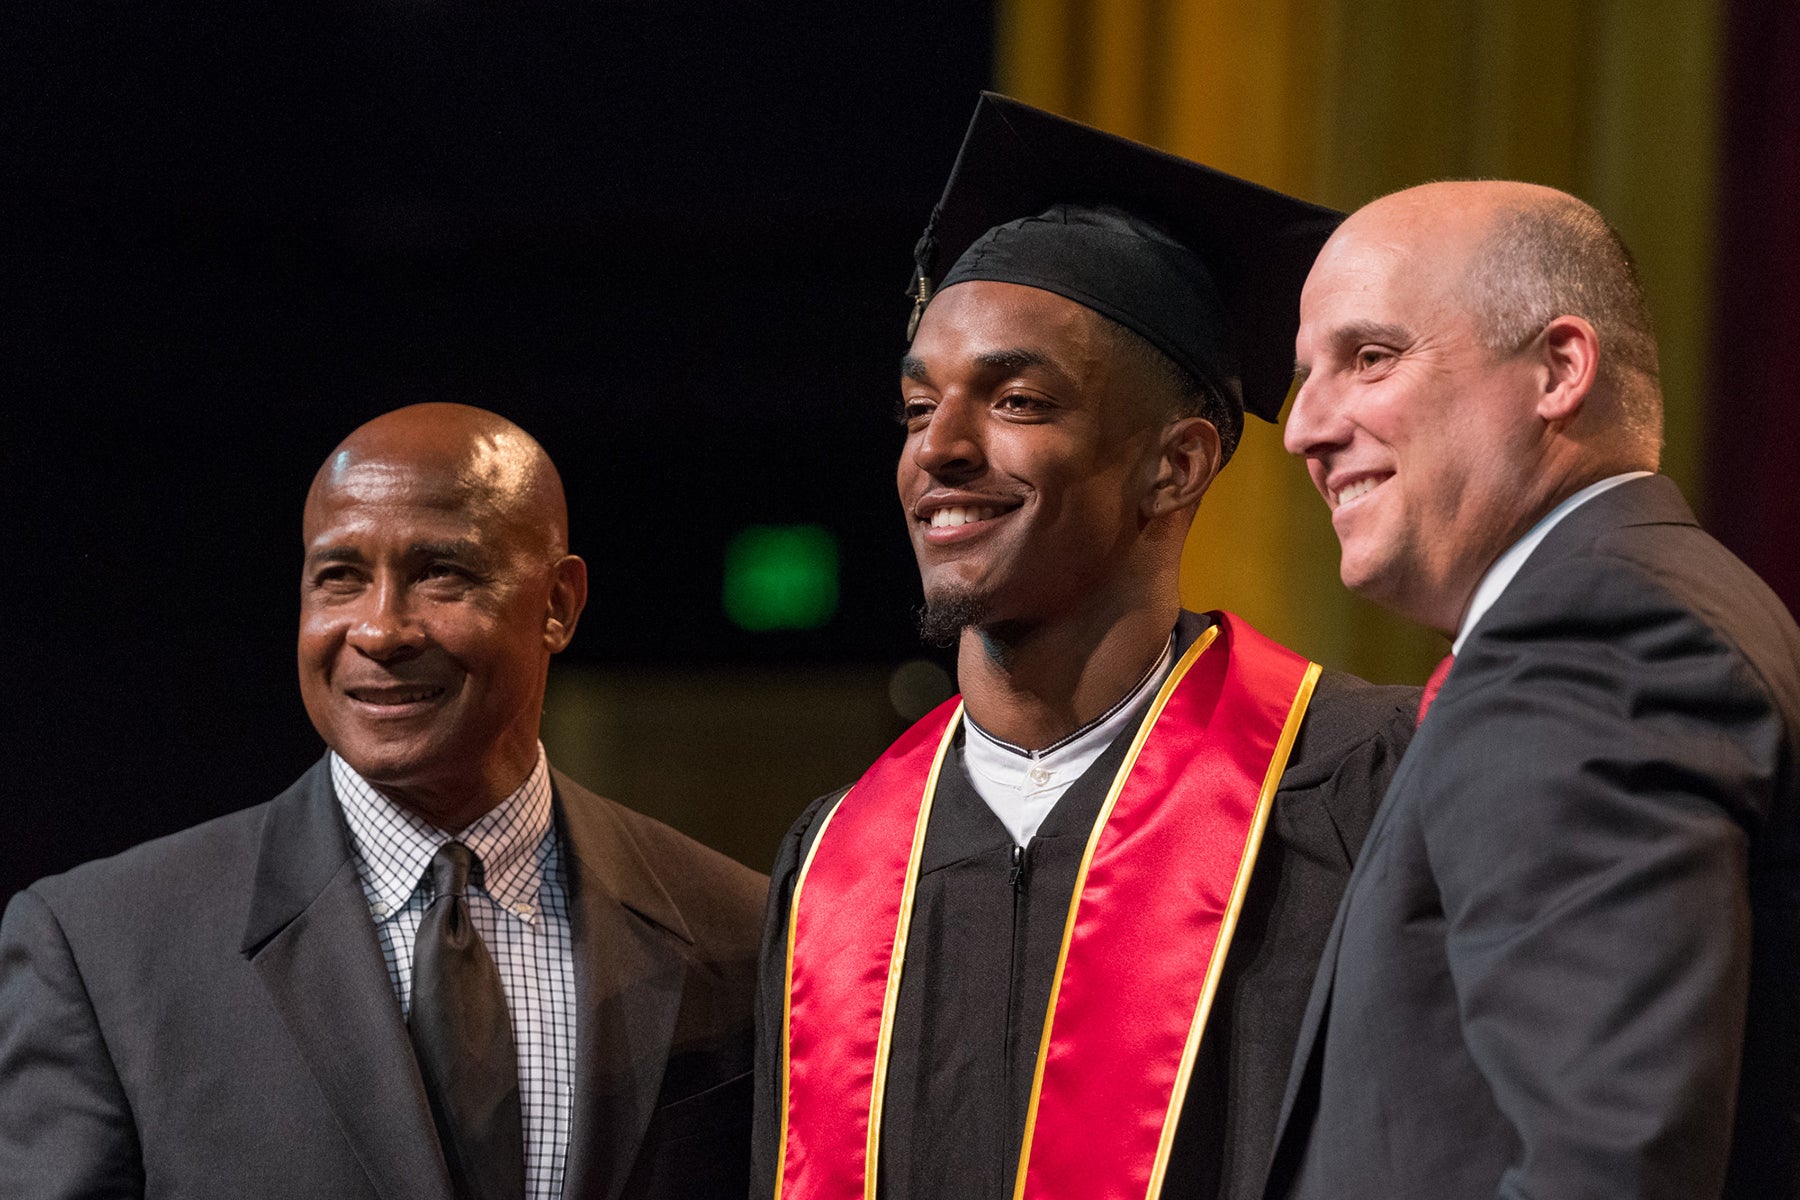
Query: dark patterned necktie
{"points": [[1433, 686], [463, 1039]]}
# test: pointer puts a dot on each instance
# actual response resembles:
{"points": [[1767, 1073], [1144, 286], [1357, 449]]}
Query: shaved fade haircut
{"points": [[1186, 394], [1562, 258]]}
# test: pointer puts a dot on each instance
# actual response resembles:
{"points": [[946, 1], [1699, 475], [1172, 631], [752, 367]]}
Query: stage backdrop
{"points": [[1340, 101], [1753, 413]]}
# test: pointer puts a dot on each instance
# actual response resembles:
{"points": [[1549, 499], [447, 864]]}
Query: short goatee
{"points": [[944, 616]]}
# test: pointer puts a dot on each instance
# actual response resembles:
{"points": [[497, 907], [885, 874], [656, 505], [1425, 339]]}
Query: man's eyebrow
{"points": [[1359, 332], [1012, 361], [1009, 362], [335, 554], [458, 549]]}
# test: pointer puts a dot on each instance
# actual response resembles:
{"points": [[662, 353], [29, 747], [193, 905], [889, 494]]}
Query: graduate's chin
{"points": [[947, 612]]}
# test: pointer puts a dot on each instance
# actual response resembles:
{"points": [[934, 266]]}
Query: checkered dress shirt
{"points": [[520, 907]]}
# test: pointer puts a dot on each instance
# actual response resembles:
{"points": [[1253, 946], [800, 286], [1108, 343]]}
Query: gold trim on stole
{"points": [[1253, 843], [1252, 847], [884, 1043], [787, 994], [1087, 859]]}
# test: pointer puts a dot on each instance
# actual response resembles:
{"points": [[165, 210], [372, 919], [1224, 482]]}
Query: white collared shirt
{"points": [[1022, 786], [521, 912], [1507, 565]]}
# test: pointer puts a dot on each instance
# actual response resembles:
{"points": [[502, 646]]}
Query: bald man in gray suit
{"points": [[1568, 960]]}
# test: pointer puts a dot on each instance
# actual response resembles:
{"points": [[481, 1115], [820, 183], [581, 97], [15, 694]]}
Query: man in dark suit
{"points": [[1059, 936], [1568, 961], [433, 967]]}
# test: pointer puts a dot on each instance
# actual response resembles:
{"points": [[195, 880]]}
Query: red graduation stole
{"points": [[1141, 953]]}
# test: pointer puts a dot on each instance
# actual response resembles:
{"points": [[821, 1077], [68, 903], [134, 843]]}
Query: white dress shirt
{"points": [[1022, 786], [520, 909]]}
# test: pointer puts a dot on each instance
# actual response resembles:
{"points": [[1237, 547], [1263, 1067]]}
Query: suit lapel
{"points": [[1311, 1024], [631, 959], [312, 942]]}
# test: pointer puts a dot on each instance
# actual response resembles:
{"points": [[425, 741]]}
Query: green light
{"points": [[781, 577]]}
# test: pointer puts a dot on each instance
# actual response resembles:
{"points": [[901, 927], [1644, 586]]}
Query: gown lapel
{"points": [[1318, 1003]]}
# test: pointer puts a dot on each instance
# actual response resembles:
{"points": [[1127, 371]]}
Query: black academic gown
{"points": [[987, 927]]}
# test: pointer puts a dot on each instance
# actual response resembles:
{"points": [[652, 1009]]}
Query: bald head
{"points": [[1514, 256], [1470, 354], [436, 587], [475, 458]]}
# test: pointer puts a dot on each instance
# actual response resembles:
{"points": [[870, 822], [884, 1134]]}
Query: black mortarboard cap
{"points": [[1205, 266]]}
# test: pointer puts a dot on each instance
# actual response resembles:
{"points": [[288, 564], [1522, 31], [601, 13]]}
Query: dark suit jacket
{"points": [[209, 1015], [1347, 749], [1586, 873]]}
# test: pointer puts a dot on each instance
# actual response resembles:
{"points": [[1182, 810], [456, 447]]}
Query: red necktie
{"points": [[1433, 684]]}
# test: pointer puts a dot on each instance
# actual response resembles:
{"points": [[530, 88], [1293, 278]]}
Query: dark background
{"points": [[670, 239]]}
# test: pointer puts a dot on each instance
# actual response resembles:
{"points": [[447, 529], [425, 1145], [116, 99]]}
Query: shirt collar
{"points": [[1053, 768], [393, 847], [1507, 565]]}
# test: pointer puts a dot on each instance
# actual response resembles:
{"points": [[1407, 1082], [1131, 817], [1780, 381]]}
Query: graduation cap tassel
{"points": [[921, 293], [921, 285]]}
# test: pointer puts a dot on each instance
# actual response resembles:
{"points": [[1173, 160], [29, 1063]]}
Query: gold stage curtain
{"points": [[1340, 101]]}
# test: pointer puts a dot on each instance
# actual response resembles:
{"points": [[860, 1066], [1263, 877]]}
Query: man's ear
{"points": [[1569, 351], [568, 596], [1190, 458]]}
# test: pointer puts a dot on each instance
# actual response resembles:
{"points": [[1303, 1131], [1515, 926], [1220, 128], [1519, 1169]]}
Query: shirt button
{"points": [[524, 910], [1039, 776], [379, 909]]}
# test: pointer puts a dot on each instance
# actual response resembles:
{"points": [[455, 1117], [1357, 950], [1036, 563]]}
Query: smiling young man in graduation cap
{"points": [[1056, 942]]}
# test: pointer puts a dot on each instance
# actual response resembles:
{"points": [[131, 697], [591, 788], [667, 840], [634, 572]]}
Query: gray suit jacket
{"points": [[1585, 875], [208, 1015]]}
